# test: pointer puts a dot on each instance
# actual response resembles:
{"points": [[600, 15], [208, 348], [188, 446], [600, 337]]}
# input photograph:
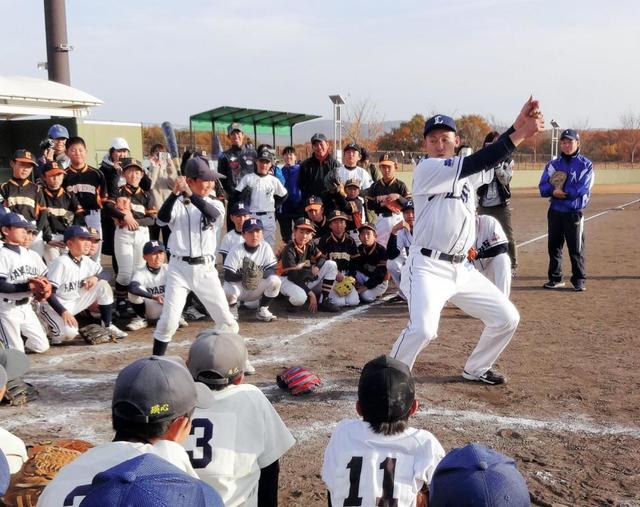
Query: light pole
{"points": [[338, 102], [555, 138]]}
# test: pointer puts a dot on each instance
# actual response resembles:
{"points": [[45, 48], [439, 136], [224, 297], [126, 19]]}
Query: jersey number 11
{"points": [[388, 467]]}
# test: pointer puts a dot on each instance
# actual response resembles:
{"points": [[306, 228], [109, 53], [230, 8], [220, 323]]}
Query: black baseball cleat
{"points": [[553, 285], [492, 378]]}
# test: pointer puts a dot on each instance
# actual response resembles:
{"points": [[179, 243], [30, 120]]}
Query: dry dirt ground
{"points": [[569, 415]]}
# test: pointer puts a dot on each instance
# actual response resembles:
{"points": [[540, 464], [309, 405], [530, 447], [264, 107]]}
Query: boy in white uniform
{"points": [[399, 243], [79, 282], [350, 170], [239, 213], [491, 256], [13, 364], [237, 437], [257, 250], [383, 440], [151, 409], [267, 192], [17, 266]]}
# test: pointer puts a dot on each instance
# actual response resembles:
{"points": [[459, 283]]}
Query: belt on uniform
{"points": [[261, 213], [455, 259], [17, 302], [194, 260]]}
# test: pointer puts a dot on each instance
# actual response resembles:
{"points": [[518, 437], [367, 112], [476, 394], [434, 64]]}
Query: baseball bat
{"points": [[170, 137], [216, 147]]}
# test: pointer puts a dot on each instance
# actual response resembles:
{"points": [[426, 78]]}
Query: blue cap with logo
{"points": [[253, 224], [77, 231], [152, 247], [16, 220], [440, 121], [570, 134], [476, 475], [198, 168], [151, 481], [239, 208]]}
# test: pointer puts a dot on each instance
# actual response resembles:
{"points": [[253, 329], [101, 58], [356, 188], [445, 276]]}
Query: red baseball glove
{"points": [[40, 287], [298, 380]]}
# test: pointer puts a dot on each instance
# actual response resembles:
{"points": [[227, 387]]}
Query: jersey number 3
{"points": [[203, 443], [388, 467]]}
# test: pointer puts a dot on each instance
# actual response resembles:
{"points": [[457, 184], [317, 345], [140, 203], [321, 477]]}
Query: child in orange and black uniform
{"points": [[370, 265], [22, 196], [315, 211], [354, 206]]}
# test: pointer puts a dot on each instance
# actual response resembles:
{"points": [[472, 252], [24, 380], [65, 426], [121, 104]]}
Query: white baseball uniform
{"points": [[66, 275], [17, 318], [362, 467], [437, 271], [264, 257], [14, 450], [263, 205], [355, 173], [233, 438], [496, 267], [229, 241], [69, 487], [152, 281], [404, 239], [192, 268]]}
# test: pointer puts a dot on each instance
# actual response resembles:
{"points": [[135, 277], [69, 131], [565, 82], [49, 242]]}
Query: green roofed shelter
{"points": [[260, 121]]}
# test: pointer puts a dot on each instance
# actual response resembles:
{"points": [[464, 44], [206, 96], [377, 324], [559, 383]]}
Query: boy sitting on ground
{"points": [[370, 265]]}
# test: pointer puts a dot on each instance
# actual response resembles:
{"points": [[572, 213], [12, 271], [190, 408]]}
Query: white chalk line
{"points": [[620, 207]]}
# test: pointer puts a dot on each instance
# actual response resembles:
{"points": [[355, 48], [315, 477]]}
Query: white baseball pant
{"points": [[58, 331], [53, 252], [351, 299], [235, 292], [394, 268], [20, 320], [152, 309], [268, 220], [384, 226], [92, 219], [203, 281], [37, 245], [127, 246], [498, 270], [370, 295], [297, 296], [428, 284]]}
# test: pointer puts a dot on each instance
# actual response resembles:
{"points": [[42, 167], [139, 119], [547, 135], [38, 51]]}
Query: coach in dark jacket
{"points": [[314, 170]]}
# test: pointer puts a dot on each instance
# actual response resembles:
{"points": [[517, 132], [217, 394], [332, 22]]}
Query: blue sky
{"points": [[157, 60]]}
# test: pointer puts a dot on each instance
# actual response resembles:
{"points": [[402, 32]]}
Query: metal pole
{"points": [[55, 24]]}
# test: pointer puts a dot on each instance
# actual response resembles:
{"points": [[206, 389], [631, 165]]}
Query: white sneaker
{"points": [[249, 369], [265, 315], [182, 322], [233, 328], [137, 323], [116, 332]]}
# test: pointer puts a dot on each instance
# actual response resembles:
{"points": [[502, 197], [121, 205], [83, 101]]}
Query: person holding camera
{"points": [[53, 149], [162, 173]]}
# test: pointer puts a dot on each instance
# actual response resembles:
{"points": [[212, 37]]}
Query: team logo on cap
{"points": [[253, 221], [240, 205], [438, 119], [155, 243]]}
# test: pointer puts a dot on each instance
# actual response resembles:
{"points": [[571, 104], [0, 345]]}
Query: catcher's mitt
{"points": [[75, 444], [19, 392], [40, 287], [95, 334], [344, 287], [298, 380], [251, 274], [557, 179]]}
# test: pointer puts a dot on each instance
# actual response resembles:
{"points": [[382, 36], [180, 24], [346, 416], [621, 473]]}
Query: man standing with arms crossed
{"points": [[437, 269]]}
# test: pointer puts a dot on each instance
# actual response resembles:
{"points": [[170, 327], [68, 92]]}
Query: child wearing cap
{"points": [[381, 460], [354, 206], [17, 265], [239, 213], [400, 240], [263, 192], [261, 254], [133, 214], [151, 410], [63, 210], [370, 265], [315, 211], [350, 170], [304, 270], [79, 282], [237, 437]]}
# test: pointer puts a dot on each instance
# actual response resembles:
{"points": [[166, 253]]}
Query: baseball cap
{"points": [[408, 205], [153, 389], [24, 156], [570, 134], [119, 143], [239, 208], [198, 168], [77, 231], [386, 390], [151, 481], [13, 364], [354, 147], [215, 359], [304, 223], [233, 127], [318, 136], [16, 220], [335, 214], [53, 168], [5, 474], [440, 121], [152, 247], [266, 154], [58, 131], [476, 475], [95, 235], [387, 159], [313, 202], [366, 226], [253, 224], [352, 182], [131, 162]]}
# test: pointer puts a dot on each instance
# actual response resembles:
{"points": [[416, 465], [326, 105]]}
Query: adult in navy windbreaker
{"points": [[564, 217]]}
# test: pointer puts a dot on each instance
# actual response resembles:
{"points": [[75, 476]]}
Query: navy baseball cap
{"points": [[13, 364], [198, 168], [354, 147], [150, 481], [217, 359], [233, 127], [77, 231], [476, 475], [570, 134], [386, 390], [253, 224], [152, 247], [317, 137], [408, 205], [16, 220], [239, 208], [440, 121], [154, 389], [5, 474]]}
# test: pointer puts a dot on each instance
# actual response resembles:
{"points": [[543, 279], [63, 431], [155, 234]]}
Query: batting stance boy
{"points": [[437, 269], [194, 219]]}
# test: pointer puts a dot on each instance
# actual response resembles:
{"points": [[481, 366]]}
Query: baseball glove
{"points": [[394, 206], [297, 380], [75, 444], [123, 204], [251, 274], [40, 287], [19, 392], [557, 179], [333, 183], [344, 287], [95, 334]]}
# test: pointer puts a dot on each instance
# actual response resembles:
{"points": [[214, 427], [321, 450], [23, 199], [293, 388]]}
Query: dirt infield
{"points": [[569, 414]]}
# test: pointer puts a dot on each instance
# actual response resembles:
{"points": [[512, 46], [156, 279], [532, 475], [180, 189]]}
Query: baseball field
{"points": [[569, 414]]}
